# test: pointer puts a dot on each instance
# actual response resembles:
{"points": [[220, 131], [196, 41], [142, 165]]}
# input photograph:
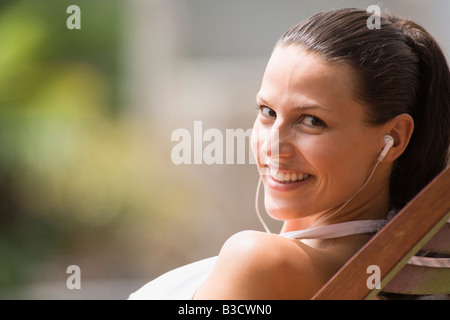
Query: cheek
{"points": [[340, 169], [338, 175]]}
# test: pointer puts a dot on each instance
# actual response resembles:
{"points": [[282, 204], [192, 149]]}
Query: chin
{"points": [[284, 213]]}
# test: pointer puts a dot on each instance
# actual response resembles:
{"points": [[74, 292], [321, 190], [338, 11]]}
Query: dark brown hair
{"points": [[401, 69]]}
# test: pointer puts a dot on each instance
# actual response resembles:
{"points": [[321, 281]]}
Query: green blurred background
{"points": [[81, 181], [86, 118]]}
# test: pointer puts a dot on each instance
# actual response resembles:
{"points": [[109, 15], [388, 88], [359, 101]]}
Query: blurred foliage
{"points": [[76, 174]]}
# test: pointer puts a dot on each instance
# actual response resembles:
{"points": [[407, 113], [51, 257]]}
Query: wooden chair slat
{"points": [[391, 248], [416, 279], [440, 243]]}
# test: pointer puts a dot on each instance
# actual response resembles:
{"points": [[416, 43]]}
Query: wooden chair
{"points": [[423, 225]]}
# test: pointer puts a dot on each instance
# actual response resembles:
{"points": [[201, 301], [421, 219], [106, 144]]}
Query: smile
{"points": [[288, 177]]}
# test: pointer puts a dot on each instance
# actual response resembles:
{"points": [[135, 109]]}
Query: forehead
{"points": [[293, 73]]}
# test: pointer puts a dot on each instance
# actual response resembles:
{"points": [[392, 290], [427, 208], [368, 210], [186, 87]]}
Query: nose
{"points": [[277, 143], [282, 139]]}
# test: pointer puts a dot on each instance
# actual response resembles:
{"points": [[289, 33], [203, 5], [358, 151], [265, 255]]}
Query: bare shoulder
{"points": [[257, 265]]}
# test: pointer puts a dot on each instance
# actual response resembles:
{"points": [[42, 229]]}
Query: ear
{"points": [[400, 128]]}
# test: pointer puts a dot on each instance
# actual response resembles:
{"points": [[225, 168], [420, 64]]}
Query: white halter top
{"points": [[337, 230], [183, 282]]}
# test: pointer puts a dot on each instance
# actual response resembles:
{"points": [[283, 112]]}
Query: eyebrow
{"points": [[299, 107]]}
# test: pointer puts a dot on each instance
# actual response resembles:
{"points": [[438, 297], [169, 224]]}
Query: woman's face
{"points": [[319, 151]]}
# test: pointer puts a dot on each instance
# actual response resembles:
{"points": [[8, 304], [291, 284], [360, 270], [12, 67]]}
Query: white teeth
{"points": [[288, 176]]}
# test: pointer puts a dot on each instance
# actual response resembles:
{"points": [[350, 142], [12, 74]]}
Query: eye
{"points": [[268, 112], [312, 121]]}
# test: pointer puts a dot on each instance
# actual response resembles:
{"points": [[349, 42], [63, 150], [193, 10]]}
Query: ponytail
{"points": [[427, 152]]}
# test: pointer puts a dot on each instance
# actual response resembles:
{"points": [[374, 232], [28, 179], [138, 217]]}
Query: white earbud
{"points": [[388, 143]]}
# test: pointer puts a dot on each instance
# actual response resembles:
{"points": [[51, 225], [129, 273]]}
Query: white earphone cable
{"points": [[319, 221], [360, 189], [257, 206]]}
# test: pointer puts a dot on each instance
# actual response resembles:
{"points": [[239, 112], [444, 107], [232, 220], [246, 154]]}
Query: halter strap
{"points": [[337, 230]]}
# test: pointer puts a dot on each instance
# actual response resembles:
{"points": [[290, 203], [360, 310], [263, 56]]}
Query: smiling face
{"points": [[325, 149]]}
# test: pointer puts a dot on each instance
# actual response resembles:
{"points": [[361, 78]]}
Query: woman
{"points": [[332, 90]]}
